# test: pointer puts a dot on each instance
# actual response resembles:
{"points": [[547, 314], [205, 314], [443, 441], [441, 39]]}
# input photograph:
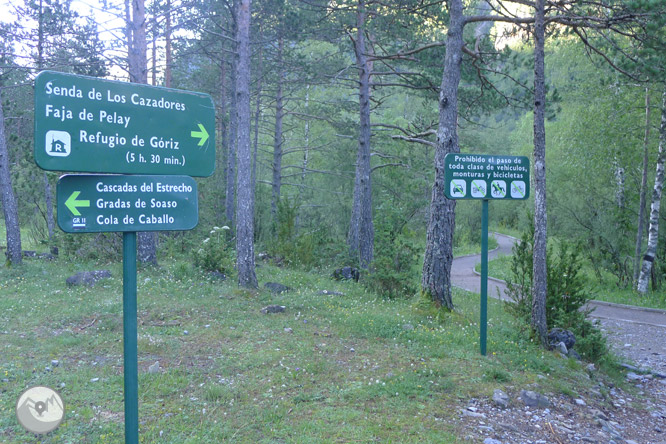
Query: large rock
{"points": [[501, 399], [275, 287], [557, 335], [346, 274], [88, 278], [273, 309], [534, 399]]}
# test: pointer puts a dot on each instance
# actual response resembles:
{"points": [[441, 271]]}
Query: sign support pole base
{"points": [[483, 324], [130, 339]]}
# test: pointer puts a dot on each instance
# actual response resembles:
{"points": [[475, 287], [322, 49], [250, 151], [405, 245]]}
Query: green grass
{"points": [[475, 247], [350, 369], [606, 290]]}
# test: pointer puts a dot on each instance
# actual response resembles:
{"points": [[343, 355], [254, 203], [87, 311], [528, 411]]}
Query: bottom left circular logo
{"points": [[40, 409]]}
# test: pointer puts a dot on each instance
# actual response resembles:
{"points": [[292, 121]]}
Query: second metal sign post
{"points": [[486, 177]]}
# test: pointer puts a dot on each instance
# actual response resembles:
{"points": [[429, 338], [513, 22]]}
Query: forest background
{"points": [[344, 114]]}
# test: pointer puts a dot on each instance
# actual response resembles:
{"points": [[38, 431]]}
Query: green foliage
{"points": [[393, 272], [216, 252], [566, 294], [291, 247]]}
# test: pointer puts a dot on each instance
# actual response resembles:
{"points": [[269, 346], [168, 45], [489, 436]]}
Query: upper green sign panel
{"points": [[482, 176], [94, 125]]}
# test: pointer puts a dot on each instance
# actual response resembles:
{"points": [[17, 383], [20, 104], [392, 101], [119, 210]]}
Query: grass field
{"points": [[331, 368]]}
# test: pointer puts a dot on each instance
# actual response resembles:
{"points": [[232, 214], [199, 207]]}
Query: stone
{"points": [[55, 362], [273, 309], [533, 399], [557, 335], [88, 278], [216, 275], [491, 441], [331, 293], [561, 347], [473, 414], [574, 355], [155, 368], [288, 330], [275, 287], [580, 402], [346, 274], [501, 399], [631, 376]]}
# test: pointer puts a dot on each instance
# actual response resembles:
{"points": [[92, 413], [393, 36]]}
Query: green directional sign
{"points": [[483, 176], [93, 125], [106, 203]]}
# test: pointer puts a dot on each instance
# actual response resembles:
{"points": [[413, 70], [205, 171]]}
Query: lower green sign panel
{"points": [[106, 203]]}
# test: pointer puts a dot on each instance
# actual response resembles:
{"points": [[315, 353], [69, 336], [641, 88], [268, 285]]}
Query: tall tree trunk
{"points": [[138, 64], [653, 230], [154, 53], [230, 192], [277, 137], [50, 225], [257, 114], [245, 218], [436, 279], [222, 128], [138, 71], [9, 206], [167, 46], [644, 180], [361, 237], [539, 283], [50, 221]]}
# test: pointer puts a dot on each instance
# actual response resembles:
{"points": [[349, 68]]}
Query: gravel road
{"points": [[634, 333]]}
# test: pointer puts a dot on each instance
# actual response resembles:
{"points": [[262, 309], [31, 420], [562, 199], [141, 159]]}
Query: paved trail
{"points": [[635, 333]]}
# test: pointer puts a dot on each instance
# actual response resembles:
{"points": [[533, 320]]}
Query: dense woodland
{"points": [[333, 119]]}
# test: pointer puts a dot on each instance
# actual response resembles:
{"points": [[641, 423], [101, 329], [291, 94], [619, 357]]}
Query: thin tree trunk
{"points": [[138, 70], [436, 279], [257, 113], [50, 221], [230, 192], [619, 184], [222, 129], [539, 283], [50, 225], [361, 235], [653, 230], [14, 251], [306, 136], [167, 46], [138, 64], [644, 180], [154, 53], [277, 137], [245, 218]]}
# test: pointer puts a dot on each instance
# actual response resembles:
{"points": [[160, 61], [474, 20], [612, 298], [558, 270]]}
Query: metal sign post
{"points": [[486, 177], [130, 349], [93, 125]]}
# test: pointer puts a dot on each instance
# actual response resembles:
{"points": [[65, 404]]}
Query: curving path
{"points": [[634, 332]]}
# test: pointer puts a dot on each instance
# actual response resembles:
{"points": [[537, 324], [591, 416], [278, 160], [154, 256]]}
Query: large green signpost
{"points": [[160, 136], [99, 126], [486, 177]]}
